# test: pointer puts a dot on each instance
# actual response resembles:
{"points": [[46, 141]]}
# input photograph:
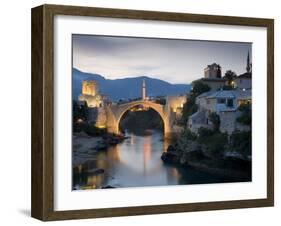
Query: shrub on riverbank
{"points": [[241, 142], [213, 142], [208, 151], [89, 129], [246, 116]]}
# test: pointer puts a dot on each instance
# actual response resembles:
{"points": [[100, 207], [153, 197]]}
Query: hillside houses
{"points": [[225, 104]]}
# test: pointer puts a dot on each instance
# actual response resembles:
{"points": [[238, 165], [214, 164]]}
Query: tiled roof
{"points": [[213, 80], [245, 75], [238, 94], [205, 94], [222, 94]]}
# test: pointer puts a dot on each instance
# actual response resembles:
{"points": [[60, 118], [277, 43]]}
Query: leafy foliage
{"points": [[188, 135], [92, 130], [199, 88], [80, 111], [246, 116], [204, 133], [230, 76], [241, 142], [215, 119], [214, 141], [190, 106]]}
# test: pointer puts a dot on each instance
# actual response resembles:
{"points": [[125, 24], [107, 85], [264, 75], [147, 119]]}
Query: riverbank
{"points": [[232, 169], [135, 162], [83, 148], [86, 148]]}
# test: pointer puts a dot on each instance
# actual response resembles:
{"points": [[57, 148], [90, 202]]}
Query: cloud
{"points": [[176, 61]]}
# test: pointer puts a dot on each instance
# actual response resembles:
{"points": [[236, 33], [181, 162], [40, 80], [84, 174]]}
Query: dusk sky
{"points": [[175, 61]]}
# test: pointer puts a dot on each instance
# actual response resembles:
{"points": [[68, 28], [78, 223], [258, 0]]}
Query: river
{"points": [[136, 162]]}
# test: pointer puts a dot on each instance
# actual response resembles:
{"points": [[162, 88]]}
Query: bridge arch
{"points": [[119, 111]]}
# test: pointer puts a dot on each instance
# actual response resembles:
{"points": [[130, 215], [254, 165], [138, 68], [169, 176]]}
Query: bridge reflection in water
{"points": [[135, 163]]}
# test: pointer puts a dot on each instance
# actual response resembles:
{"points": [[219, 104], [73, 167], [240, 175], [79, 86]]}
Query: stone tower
{"points": [[90, 94], [143, 90], [90, 88]]}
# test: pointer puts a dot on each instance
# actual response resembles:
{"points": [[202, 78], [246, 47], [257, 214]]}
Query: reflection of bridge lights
{"points": [[94, 182], [132, 140], [175, 172], [113, 153], [147, 148], [80, 120], [101, 126]]}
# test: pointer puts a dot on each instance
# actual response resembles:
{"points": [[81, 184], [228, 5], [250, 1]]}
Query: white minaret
{"points": [[143, 90]]}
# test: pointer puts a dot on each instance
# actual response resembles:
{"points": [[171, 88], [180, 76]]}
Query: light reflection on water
{"points": [[136, 162]]}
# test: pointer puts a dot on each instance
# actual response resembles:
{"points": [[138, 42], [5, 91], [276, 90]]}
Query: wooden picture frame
{"points": [[43, 111]]}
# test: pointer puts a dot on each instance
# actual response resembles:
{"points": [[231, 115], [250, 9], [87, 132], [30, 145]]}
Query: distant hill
{"points": [[127, 88]]}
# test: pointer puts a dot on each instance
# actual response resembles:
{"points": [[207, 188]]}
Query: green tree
{"points": [[198, 88], [246, 116], [241, 142], [215, 120], [80, 111], [230, 76], [190, 107]]}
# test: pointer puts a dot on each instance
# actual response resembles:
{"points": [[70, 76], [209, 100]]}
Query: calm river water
{"points": [[136, 162]]}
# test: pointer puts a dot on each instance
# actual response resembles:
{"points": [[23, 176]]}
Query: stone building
{"points": [[244, 81], [212, 77], [95, 101], [90, 94], [176, 104], [225, 103], [90, 88], [212, 71]]}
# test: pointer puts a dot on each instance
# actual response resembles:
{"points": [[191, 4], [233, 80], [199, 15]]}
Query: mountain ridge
{"points": [[125, 88]]}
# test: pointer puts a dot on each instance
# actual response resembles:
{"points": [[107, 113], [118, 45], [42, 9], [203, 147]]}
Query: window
{"points": [[221, 101], [229, 103]]}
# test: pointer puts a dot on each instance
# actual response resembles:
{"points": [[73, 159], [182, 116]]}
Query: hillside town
{"points": [[216, 122], [224, 98]]}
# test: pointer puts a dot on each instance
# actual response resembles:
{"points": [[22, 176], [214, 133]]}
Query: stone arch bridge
{"points": [[114, 114]]}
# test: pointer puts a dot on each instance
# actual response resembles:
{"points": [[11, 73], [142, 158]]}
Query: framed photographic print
{"points": [[141, 112]]}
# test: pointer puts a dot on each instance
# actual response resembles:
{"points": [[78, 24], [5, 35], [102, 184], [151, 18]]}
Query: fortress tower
{"points": [[90, 94], [90, 88]]}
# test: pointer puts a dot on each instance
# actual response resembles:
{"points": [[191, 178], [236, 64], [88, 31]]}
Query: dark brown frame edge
{"points": [[42, 203]]}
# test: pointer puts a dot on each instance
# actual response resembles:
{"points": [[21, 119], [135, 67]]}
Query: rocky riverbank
{"points": [[234, 168], [85, 151], [85, 146]]}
